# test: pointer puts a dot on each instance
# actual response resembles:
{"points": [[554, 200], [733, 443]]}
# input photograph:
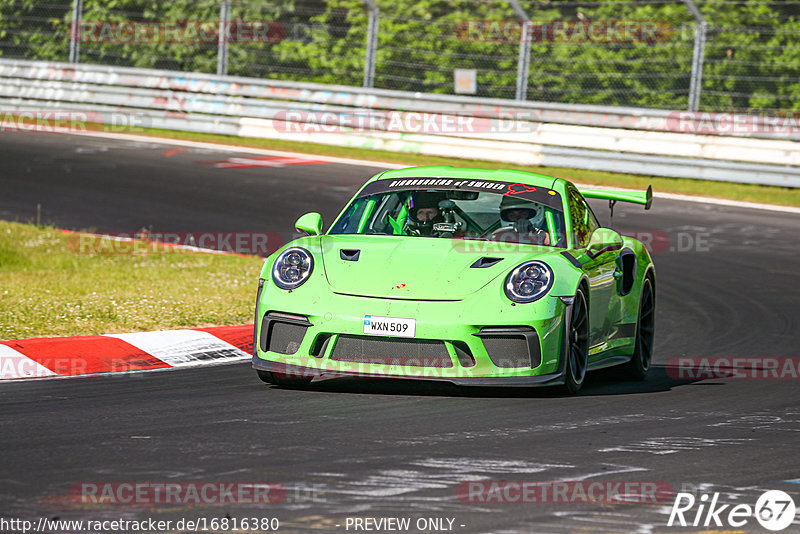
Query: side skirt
{"points": [[609, 361]]}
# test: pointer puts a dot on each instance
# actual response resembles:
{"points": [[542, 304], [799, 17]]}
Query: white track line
{"points": [[387, 165]]}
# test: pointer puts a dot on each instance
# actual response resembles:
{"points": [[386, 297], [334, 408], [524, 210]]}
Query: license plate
{"points": [[389, 326]]}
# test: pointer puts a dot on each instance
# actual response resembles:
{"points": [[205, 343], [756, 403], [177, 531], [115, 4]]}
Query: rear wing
{"points": [[637, 197]]}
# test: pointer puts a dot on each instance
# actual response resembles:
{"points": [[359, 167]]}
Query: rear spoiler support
{"points": [[613, 196]]}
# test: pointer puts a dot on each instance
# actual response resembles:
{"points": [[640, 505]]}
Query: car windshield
{"points": [[456, 209]]}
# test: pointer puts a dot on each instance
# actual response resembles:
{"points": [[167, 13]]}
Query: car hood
{"points": [[417, 268]]}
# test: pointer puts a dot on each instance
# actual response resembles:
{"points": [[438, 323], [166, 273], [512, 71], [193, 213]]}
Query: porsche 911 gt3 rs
{"points": [[471, 276]]}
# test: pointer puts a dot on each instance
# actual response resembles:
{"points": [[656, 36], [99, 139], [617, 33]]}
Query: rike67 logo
{"points": [[774, 510]]}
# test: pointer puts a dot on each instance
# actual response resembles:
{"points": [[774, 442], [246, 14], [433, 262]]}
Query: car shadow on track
{"points": [[603, 382]]}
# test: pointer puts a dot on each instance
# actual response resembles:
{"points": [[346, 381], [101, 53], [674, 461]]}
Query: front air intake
{"points": [[512, 347], [391, 351], [282, 333]]}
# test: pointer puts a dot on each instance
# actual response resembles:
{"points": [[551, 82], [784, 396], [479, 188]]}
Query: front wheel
{"points": [[645, 328], [577, 357]]}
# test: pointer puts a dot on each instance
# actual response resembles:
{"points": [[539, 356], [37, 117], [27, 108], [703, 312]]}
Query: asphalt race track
{"points": [[727, 286]]}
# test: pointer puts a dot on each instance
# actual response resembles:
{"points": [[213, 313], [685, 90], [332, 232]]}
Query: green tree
{"points": [[35, 30], [752, 53]]}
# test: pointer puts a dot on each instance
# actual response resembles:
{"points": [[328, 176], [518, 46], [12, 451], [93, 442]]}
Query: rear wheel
{"points": [[645, 329], [578, 345], [279, 379]]}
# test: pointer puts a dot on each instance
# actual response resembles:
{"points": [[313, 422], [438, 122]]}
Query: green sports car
{"points": [[471, 276]]}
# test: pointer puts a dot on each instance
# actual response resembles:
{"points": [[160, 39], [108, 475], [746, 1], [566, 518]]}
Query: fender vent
{"points": [[627, 264], [349, 255], [481, 263]]}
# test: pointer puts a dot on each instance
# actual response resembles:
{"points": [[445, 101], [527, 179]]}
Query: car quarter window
{"points": [[584, 223]]}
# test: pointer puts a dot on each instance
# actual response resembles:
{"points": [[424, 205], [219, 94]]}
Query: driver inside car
{"points": [[526, 219], [423, 213]]}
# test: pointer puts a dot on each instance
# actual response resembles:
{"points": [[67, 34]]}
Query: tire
{"points": [[637, 368], [577, 354], [279, 379]]}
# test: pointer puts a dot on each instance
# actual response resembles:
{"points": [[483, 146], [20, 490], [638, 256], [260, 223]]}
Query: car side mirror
{"points": [[310, 223], [603, 240]]}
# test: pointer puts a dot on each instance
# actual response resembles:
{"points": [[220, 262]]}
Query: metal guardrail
{"points": [[627, 140], [304, 92]]}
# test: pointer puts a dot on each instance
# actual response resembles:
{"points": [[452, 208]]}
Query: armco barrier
{"points": [[628, 140]]}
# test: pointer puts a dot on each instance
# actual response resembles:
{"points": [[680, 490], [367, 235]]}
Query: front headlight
{"points": [[292, 268], [529, 281]]}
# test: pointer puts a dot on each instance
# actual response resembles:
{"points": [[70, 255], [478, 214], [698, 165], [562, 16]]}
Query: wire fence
{"points": [[668, 54]]}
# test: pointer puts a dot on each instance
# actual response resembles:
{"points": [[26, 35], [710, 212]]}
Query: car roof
{"points": [[448, 171]]}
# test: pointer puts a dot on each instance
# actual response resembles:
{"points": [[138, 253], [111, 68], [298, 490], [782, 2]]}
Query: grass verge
{"points": [[48, 287], [785, 196]]}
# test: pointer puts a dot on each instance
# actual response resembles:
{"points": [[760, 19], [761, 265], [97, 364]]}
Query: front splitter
{"points": [[321, 375]]}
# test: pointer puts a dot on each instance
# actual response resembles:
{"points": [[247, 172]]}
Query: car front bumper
{"points": [[465, 342]]}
